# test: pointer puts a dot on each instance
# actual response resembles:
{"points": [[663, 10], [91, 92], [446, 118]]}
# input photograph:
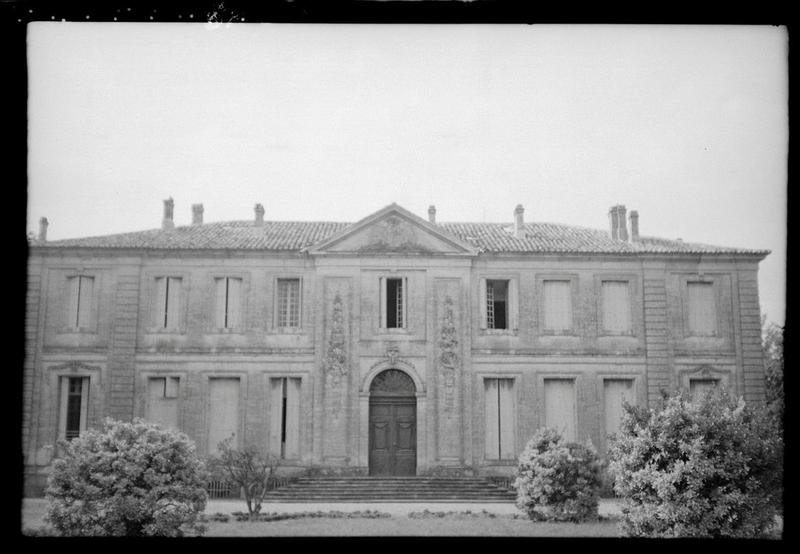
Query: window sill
{"points": [[616, 335], [234, 331], [555, 333], [500, 332], [287, 331], [393, 331], [160, 331], [78, 331]]}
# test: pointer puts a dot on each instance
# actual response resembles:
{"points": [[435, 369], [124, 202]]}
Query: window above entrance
{"points": [[392, 382]]}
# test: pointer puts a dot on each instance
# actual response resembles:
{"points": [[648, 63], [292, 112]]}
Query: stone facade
{"points": [[341, 343]]}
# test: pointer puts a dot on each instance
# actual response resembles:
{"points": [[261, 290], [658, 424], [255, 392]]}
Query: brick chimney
{"points": [[197, 214], [432, 213], [619, 229], [634, 219], [43, 229], [259, 214], [519, 221], [167, 222]]}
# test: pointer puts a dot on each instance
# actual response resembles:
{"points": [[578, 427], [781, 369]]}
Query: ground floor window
{"points": [[285, 417], [162, 401], [223, 411], [74, 406], [500, 419], [559, 406], [615, 392], [699, 387]]}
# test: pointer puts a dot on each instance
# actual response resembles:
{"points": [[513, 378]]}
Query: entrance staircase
{"points": [[391, 489]]}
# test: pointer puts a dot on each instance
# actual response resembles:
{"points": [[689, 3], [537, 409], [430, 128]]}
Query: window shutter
{"points": [[292, 418], [159, 301], [85, 302], [702, 314], [513, 304], [84, 404], [62, 412], [616, 306], [234, 303], [223, 412], [174, 303], [482, 302], [72, 307], [559, 406], [614, 392], [171, 387], [507, 420], [557, 305], [383, 303], [492, 448], [221, 299], [275, 415]]}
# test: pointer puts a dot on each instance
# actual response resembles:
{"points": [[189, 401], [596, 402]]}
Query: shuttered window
{"points": [[284, 437], [559, 406], [500, 427], [557, 305], [74, 408], [162, 401], [615, 392], [616, 307], [223, 411], [228, 302], [288, 303], [702, 309], [167, 302], [394, 298], [81, 294]]}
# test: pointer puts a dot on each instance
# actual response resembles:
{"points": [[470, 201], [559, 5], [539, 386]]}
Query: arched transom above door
{"points": [[392, 382]]}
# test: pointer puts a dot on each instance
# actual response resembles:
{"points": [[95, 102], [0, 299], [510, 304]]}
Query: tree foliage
{"points": [[249, 469], [127, 479], [773, 353], [558, 480], [711, 467]]}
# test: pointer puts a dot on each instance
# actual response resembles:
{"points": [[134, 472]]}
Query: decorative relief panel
{"points": [[448, 356], [336, 355]]}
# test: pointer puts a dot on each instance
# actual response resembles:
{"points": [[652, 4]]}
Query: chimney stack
{"points": [[167, 222], [619, 228], [518, 221], [634, 217], [259, 214], [197, 214], [43, 229], [432, 213]]}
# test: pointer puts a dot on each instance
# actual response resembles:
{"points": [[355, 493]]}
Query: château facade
{"points": [[391, 346]]}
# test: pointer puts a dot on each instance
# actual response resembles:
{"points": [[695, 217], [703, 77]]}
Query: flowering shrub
{"points": [[558, 480], [128, 479], [708, 468]]}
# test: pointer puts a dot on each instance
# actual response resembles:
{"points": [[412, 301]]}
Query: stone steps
{"points": [[390, 489]]}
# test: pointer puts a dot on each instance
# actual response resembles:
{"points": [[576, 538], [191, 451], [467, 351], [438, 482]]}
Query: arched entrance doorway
{"points": [[392, 424]]}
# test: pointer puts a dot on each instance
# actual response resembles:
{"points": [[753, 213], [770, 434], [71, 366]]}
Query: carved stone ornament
{"points": [[392, 235], [393, 353], [74, 366], [392, 382], [448, 357], [336, 356]]}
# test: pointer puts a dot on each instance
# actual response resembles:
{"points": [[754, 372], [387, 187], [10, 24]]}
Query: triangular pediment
{"points": [[394, 231]]}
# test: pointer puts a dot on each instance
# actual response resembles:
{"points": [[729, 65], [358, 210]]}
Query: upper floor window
{"points": [[228, 302], [167, 302], [393, 302], [288, 303], [557, 305], [496, 304], [81, 293], [616, 307], [701, 308], [74, 406]]}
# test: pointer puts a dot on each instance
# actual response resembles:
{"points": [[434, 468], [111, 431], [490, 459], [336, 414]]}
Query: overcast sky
{"points": [[686, 124]]}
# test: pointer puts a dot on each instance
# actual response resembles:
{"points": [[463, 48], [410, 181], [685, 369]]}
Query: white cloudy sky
{"points": [[688, 125]]}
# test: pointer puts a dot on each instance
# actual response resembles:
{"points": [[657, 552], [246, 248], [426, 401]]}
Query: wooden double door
{"points": [[393, 435]]}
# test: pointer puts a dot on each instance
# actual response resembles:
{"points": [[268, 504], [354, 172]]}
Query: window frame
{"points": [[276, 305], [540, 289], [181, 378], [383, 301], [244, 290], [63, 404], [512, 303], [566, 376], [72, 325], [686, 281], [515, 377], [241, 377], [271, 412], [602, 331]]}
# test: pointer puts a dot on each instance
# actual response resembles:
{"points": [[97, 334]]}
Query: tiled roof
{"points": [[296, 235]]}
